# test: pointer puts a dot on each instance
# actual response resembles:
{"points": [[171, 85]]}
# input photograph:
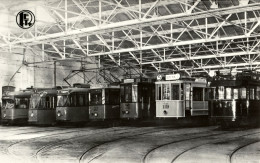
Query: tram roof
{"points": [[23, 93], [235, 83], [73, 90]]}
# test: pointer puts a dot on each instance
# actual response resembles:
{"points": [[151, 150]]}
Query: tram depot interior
{"points": [[130, 81]]}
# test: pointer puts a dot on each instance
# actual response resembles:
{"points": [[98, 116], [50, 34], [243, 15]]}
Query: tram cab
{"points": [[73, 104], [104, 102], [42, 107], [178, 96], [237, 99], [15, 107], [137, 98]]}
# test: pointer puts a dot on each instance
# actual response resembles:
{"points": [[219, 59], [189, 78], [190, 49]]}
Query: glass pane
{"points": [[158, 92], [81, 100], [96, 97], [128, 93], [243, 93], [187, 91], [166, 91], [258, 93], [197, 94], [209, 93], [235, 91], [8, 104], [21, 103], [175, 91], [63, 101], [134, 93], [228, 93], [114, 96], [220, 92], [122, 93], [252, 94]]}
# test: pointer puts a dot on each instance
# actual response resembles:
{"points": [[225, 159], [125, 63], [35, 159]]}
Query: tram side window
{"points": [[235, 93], [242, 93], [209, 93], [145, 94], [175, 92], [152, 93], [252, 94], [220, 92], [197, 94], [134, 93], [158, 92], [258, 93], [228, 93]]}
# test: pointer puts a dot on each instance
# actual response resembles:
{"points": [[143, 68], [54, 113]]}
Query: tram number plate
{"points": [[166, 106]]}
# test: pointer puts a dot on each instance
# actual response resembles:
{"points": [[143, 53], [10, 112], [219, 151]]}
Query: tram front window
{"points": [[21, 103], [8, 104], [63, 101], [35, 101], [96, 97], [166, 91]]}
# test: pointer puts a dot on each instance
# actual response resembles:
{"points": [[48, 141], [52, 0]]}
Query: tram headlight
{"points": [[95, 114], [165, 112], [126, 112], [4, 115], [58, 114], [31, 114]]}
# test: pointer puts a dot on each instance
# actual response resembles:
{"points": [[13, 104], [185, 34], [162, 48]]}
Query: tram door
{"points": [[187, 98]]}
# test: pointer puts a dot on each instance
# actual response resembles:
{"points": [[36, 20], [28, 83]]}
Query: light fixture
{"points": [[214, 5], [243, 2]]}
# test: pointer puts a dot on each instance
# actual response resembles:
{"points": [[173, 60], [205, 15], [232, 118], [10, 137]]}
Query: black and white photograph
{"points": [[130, 81]]}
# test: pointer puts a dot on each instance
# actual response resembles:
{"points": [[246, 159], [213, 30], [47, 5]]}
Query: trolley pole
{"points": [[54, 73]]}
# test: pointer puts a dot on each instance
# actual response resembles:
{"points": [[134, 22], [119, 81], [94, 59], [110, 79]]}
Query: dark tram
{"points": [[15, 107], [42, 107], [237, 99], [104, 102], [73, 104], [137, 98]]}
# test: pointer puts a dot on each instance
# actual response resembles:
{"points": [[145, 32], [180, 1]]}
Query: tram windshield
{"points": [[95, 97], [35, 101], [72, 100], [128, 93], [40, 101], [63, 101], [8, 103], [21, 103]]}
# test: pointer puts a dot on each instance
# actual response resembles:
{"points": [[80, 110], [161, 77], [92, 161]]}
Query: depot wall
{"points": [[36, 75]]}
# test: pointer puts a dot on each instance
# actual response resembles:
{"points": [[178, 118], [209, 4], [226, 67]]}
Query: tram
{"points": [[178, 97], [5, 91], [104, 102], [137, 98], [73, 104], [15, 107], [42, 107], [237, 99]]}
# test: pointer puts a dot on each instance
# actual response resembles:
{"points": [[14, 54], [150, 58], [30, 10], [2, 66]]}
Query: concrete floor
{"points": [[128, 144]]}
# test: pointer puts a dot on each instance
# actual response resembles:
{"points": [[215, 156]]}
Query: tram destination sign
{"points": [[172, 77]]}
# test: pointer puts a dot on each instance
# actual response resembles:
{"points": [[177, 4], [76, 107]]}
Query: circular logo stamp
{"points": [[25, 19]]}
